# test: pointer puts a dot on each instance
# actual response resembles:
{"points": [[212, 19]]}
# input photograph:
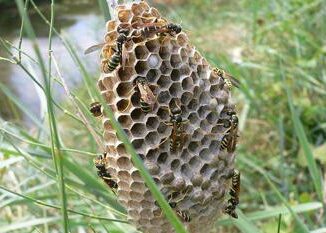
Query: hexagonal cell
{"points": [[138, 130], [197, 57], [152, 168], [124, 88], [175, 89], [164, 82], [144, 5], [141, 67], [179, 183], [194, 162], [206, 140], [203, 111], [187, 84], [122, 105], [141, 52], [124, 163], [194, 77], [223, 97], [205, 169], [175, 164], [152, 155], [136, 9], [138, 143], [214, 90], [109, 37], [204, 154], [175, 60], [152, 139], [182, 39], [193, 105], [110, 137], [164, 97], [124, 15], [194, 147], [137, 114], [163, 113], [153, 46], [165, 67], [175, 75], [193, 118], [204, 98], [154, 61], [125, 73], [184, 70], [162, 158], [186, 170], [152, 123], [186, 98], [206, 184], [111, 25], [214, 146], [125, 121], [152, 75], [164, 52], [205, 125]]}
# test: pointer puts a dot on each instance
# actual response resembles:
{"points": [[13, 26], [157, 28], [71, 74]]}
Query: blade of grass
{"points": [[279, 223], [302, 137], [105, 9], [244, 225], [59, 208], [56, 153]]}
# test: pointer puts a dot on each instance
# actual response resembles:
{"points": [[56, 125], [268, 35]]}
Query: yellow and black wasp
{"points": [[147, 98], [99, 162], [229, 140], [229, 80], [234, 192]]}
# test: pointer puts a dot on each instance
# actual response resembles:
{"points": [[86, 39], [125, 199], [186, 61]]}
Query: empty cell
{"points": [[206, 184], [193, 105], [152, 75], [124, 163], [182, 39], [152, 123], [179, 183], [175, 75], [152, 154], [153, 46], [213, 104], [175, 164], [197, 57], [193, 146], [223, 97], [141, 67], [204, 154], [101, 85], [138, 143], [194, 77], [164, 81], [206, 140], [194, 162], [125, 73], [124, 88], [137, 114], [197, 91], [164, 97], [122, 105], [154, 12], [125, 121], [185, 169], [184, 70], [152, 139], [203, 111], [185, 154], [136, 196], [138, 130], [175, 60], [214, 146], [204, 98], [141, 52], [167, 178], [212, 117], [124, 15], [110, 25], [193, 118], [214, 175], [186, 98], [175, 89], [110, 137], [163, 113], [205, 125], [162, 157], [187, 84], [205, 169], [110, 36], [164, 52], [135, 175], [152, 168], [136, 9], [154, 61], [165, 67]]}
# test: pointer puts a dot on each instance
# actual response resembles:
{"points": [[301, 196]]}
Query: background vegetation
{"points": [[275, 48]]}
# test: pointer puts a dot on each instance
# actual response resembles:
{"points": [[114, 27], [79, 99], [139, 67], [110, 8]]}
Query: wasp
{"points": [[229, 80], [183, 215], [234, 192], [177, 135], [147, 29], [119, 55], [95, 109], [147, 98], [102, 172], [229, 140]]}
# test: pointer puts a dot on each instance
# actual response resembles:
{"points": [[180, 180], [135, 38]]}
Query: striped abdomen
{"points": [[114, 62], [145, 107]]}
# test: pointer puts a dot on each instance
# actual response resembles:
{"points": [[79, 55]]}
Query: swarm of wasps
{"points": [[147, 100]]}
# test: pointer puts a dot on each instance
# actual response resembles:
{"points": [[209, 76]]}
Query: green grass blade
{"points": [[302, 137], [244, 225], [52, 121], [105, 9]]}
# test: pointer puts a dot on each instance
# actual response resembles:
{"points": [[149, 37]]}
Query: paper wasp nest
{"points": [[197, 176]]}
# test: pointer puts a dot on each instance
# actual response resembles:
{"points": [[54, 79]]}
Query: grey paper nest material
{"points": [[197, 176]]}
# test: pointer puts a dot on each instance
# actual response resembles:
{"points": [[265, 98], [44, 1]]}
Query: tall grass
{"points": [[281, 109]]}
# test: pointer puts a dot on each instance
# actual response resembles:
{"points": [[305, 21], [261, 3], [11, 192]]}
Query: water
{"points": [[84, 25]]}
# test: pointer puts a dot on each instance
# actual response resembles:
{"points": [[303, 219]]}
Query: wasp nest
{"points": [[195, 177]]}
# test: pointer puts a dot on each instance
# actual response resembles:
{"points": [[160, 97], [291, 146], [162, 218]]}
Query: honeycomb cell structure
{"points": [[196, 177]]}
